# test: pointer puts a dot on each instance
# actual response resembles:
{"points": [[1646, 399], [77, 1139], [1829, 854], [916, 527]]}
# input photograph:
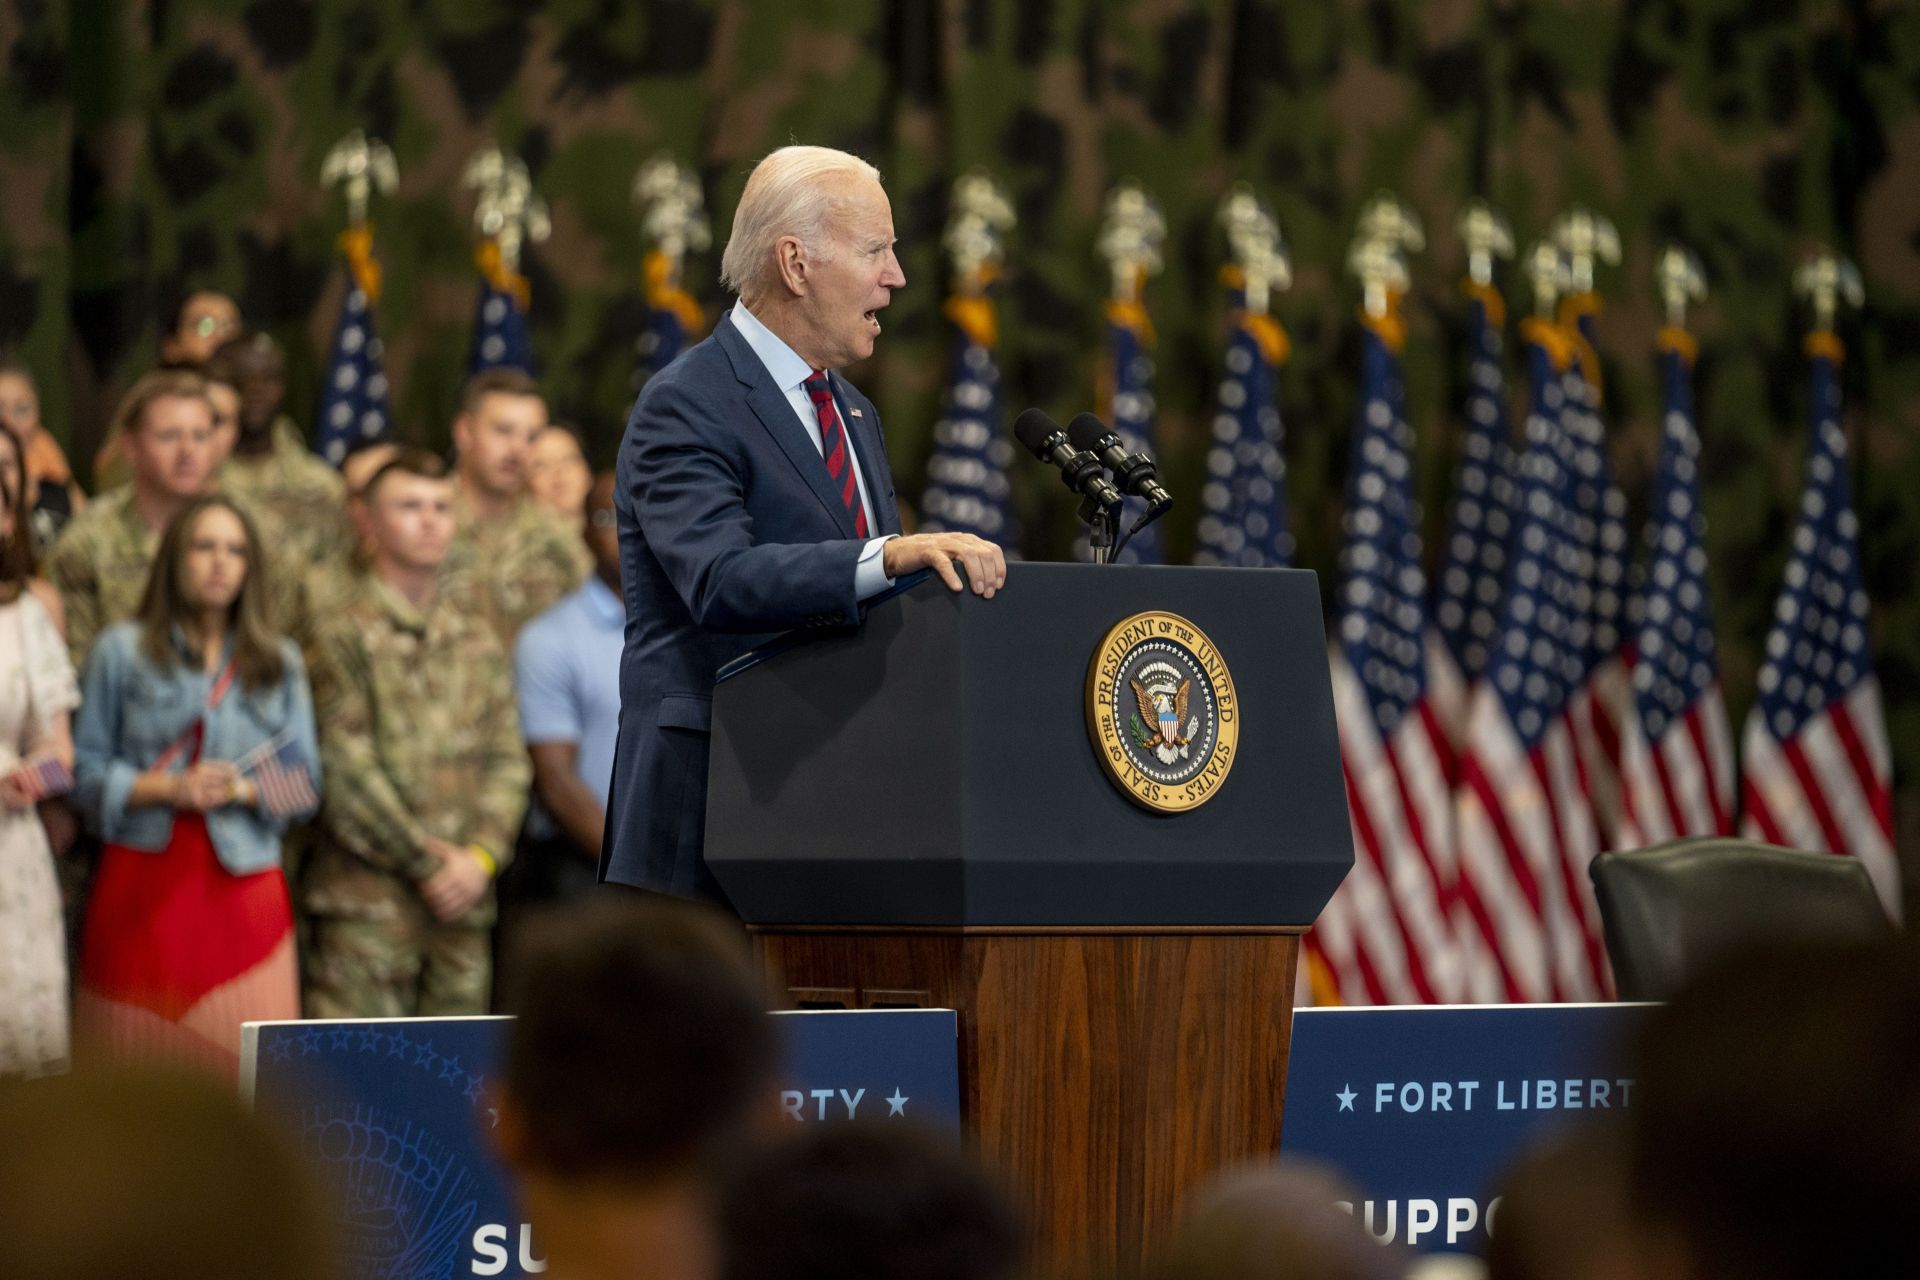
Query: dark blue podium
{"points": [[923, 812]]}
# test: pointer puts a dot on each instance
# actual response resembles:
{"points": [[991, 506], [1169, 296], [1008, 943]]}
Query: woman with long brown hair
{"points": [[36, 756], [194, 751]]}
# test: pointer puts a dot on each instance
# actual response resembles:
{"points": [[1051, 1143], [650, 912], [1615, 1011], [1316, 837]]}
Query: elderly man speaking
{"points": [[754, 494]]}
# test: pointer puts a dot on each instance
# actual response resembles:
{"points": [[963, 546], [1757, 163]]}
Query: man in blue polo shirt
{"points": [[566, 666]]}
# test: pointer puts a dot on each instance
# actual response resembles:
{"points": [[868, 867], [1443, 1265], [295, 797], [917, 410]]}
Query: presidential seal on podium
{"points": [[1161, 712]]}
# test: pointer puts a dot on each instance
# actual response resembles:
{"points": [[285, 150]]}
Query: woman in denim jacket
{"points": [[194, 749]]}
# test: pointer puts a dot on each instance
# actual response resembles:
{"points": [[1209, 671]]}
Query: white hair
{"points": [[786, 195]]}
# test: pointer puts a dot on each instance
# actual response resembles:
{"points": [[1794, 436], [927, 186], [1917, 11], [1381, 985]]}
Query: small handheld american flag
{"points": [[45, 778], [279, 769]]}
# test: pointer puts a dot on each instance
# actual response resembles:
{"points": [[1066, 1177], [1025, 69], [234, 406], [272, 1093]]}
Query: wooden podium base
{"points": [[1105, 1073]]}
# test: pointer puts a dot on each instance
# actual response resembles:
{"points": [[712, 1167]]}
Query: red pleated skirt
{"points": [[177, 951]]}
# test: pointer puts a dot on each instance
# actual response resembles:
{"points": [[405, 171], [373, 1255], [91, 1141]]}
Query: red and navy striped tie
{"points": [[833, 446]]}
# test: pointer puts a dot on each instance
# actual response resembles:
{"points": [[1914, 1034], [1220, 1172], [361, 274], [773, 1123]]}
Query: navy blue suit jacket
{"points": [[731, 532]]}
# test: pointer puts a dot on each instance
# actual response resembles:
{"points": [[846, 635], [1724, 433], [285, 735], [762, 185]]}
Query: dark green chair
{"points": [[1672, 909]]}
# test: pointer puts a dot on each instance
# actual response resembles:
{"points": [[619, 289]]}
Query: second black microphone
{"points": [[1135, 471], [1047, 442]]}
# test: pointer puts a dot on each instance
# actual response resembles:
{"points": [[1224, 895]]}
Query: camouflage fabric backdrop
{"points": [[148, 146]]}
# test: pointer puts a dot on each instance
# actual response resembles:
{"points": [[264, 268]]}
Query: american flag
{"points": [[285, 778], [1385, 938], [1522, 821], [1480, 519], [1817, 768], [673, 315], [1676, 746], [45, 778], [1601, 697], [1129, 378], [353, 399], [1244, 501], [501, 339], [967, 489]]}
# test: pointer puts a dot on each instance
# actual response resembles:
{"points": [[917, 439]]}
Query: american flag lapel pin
{"points": [[853, 411]]}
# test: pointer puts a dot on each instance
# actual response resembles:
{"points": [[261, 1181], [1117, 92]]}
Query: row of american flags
{"points": [[354, 406], [1552, 690], [1556, 692]]}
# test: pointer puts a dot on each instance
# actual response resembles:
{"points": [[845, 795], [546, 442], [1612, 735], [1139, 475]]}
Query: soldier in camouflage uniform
{"points": [[296, 498], [296, 501], [99, 564], [326, 586], [426, 775], [512, 557], [202, 321]]}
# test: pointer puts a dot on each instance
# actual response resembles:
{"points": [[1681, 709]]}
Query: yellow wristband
{"points": [[486, 859]]}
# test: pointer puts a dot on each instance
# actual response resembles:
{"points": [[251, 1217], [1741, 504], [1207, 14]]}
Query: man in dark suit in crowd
{"points": [[754, 494]]}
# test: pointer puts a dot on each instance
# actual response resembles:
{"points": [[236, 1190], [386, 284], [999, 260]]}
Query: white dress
{"points": [[36, 684]]}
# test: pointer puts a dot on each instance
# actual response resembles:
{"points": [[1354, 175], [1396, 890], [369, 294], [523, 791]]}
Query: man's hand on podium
{"points": [[986, 566]]}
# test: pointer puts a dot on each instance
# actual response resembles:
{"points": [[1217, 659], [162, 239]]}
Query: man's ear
{"points": [[462, 429], [361, 520], [790, 257]]}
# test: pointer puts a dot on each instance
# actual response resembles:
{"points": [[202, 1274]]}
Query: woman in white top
{"points": [[37, 692]]}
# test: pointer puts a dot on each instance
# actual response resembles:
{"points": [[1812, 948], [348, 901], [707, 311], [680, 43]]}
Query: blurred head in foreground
{"points": [[156, 1172], [1563, 1209], [641, 1058], [1278, 1222], [866, 1200], [1776, 1129]]}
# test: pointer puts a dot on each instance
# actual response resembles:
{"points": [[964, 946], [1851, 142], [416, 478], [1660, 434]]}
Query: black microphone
{"points": [[1079, 471], [1135, 471]]}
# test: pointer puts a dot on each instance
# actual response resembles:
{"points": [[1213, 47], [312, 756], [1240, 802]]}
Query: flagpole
{"points": [[507, 216], [1243, 519], [1676, 768], [967, 487], [1817, 768], [1387, 935], [673, 224], [353, 402], [1471, 581], [1602, 696], [1522, 821], [1132, 235]]}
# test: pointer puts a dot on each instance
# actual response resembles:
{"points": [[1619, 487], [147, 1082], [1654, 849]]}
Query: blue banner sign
{"points": [[882, 1065], [395, 1112], [1423, 1109]]}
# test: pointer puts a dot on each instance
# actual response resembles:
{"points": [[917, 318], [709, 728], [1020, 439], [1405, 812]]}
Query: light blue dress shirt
{"points": [[790, 374], [566, 667]]}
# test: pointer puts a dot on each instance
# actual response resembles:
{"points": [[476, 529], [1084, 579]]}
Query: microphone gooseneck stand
{"points": [[1101, 521], [1147, 517]]}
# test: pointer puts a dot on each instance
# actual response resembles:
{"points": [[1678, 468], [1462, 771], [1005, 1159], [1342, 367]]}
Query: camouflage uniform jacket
{"points": [[298, 500], [419, 737], [99, 567], [510, 568]]}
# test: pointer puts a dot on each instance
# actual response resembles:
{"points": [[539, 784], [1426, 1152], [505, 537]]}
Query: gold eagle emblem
{"points": [[1166, 711]]}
